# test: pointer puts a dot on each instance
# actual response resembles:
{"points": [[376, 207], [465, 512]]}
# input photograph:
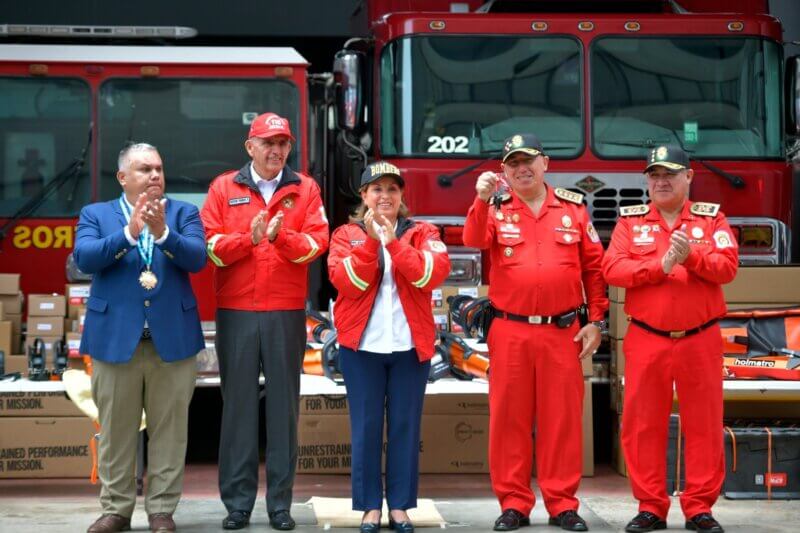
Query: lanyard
{"points": [[146, 241]]}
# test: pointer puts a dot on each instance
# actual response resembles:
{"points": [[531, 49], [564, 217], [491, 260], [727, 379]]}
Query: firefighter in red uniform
{"points": [[545, 255], [671, 256], [264, 224]]}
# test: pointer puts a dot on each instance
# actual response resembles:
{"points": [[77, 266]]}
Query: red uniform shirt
{"points": [[271, 276], [541, 265], [690, 295]]}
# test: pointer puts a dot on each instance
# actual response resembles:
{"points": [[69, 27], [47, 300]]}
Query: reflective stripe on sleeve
{"points": [[426, 276], [312, 253], [210, 250], [354, 279]]}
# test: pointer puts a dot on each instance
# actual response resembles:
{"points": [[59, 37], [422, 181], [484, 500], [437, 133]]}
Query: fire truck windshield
{"points": [[719, 98], [198, 125], [44, 123], [451, 96]]}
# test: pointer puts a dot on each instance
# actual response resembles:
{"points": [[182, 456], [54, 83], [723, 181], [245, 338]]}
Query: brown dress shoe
{"points": [[161, 522], [110, 523]]}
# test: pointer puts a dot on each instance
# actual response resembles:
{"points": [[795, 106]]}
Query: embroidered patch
{"points": [[437, 246], [722, 239], [592, 233], [239, 201]]}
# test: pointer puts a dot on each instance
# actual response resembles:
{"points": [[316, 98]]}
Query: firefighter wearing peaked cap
{"points": [[265, 224], [672, 257], [545, 255]]}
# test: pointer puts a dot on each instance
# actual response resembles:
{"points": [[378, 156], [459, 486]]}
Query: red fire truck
{"points": [[437, 92], [66, 111]]}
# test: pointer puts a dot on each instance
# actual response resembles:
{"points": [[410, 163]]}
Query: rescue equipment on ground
{"points": [[762, 343]]}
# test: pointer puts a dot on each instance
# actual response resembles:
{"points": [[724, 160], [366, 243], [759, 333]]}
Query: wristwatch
{"points": [[602, 325]]}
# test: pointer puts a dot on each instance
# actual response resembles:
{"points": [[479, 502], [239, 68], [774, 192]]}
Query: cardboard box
{"points": [[29, 403], [454, 444], [6, 339], [45, 447], [74, 345], [45, 326], [774, 284], [616, 294], [435, 404], [437, 300], [76, 295], [617, 320], [12, 303], [441, 321], [17, 363], [323, 444], [46, 305], [9, 283], [81, 320], [323, 404]]}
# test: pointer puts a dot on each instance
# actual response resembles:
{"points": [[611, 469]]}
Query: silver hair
{"points": [[124, 155]]}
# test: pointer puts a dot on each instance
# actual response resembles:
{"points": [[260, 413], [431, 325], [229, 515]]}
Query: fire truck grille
{"points": [[604, 206]]}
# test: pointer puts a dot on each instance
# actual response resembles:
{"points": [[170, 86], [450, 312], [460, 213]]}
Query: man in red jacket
{"points": [[264, 224], [545, 255], [672, 256]]}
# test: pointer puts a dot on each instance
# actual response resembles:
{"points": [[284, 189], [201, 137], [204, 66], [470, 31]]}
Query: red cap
{"points": [[269, 125]]}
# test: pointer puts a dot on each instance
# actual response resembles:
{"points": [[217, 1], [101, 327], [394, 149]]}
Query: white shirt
{"points": [[387, 330], [266, 187]]}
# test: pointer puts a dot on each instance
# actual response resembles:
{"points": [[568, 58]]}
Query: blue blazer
{"points": [[118, 305]]}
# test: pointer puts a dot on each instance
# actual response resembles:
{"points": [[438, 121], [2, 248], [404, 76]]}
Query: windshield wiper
{"points": [[70, 171], [446, 180], [737, 182]]}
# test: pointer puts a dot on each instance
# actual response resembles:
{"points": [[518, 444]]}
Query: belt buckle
{"points": [[677, 334], [535, 319]]}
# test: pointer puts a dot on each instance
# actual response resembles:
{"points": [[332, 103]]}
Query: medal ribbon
{"points": [[146, 240]]}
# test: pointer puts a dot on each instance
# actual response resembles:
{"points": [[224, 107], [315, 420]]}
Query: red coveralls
{"points": [[541, 265], [688, 297]]}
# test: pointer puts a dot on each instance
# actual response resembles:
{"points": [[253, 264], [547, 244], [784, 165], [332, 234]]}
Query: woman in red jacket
{"points": [[384, 266]]}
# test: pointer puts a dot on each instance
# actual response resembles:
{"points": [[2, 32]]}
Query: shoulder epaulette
{"points": [[569, 196], [704, 209], [634, 210]]}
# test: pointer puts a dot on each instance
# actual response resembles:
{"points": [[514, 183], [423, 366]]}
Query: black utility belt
{"points": [[673, 334], [563, 320]]}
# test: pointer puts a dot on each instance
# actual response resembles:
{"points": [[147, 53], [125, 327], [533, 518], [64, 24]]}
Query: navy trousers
{"points": [[392, 385]]}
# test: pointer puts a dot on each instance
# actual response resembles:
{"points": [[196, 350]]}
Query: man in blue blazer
{"points": [[142, 331]]}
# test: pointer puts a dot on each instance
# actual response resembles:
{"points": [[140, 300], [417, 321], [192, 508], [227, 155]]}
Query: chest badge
{"points": [[567, 237], [508, 252], [644, 237], [697, 233], [499, 215], [566, 221], [288, 203], [239, 201], [515, 217]]}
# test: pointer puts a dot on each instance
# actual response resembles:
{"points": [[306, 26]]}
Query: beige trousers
{"points": [[121, 391]]}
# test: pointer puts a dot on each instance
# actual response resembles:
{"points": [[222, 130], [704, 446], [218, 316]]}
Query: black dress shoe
{"points": [[236, 520], [401, 527], [704, 522], [510, 520], [645, 521], [369, 527], [281, 520], [569, 521]]}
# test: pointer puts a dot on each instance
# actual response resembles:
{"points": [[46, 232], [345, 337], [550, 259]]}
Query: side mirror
{"points": [[793, 95], [347, 72]]}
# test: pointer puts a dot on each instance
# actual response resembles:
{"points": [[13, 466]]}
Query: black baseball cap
{"points": [[379, 169], [670, 156], [527, 143]]}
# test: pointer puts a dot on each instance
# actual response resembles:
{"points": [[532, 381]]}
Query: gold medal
{"points": [[499, 216], [508, 252], [148, 280], [566, 221]]}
